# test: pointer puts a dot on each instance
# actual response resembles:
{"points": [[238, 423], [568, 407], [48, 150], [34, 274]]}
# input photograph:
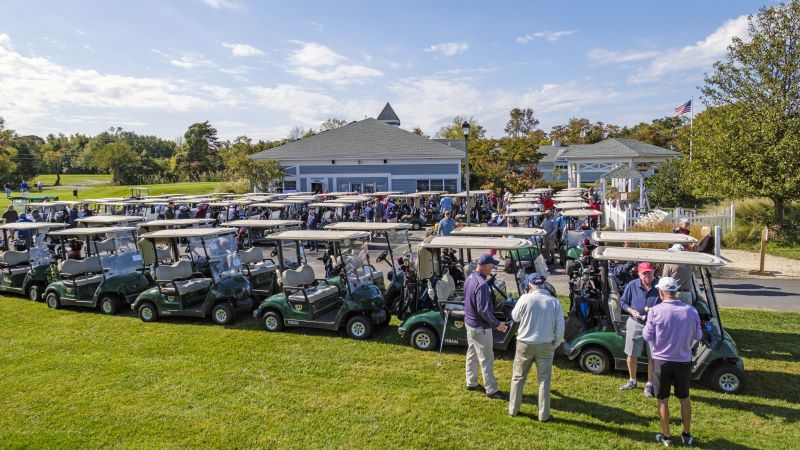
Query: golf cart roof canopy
{"points": [[31, 225], [318, 235], [520, 206], [354, 198], [521, 199], [499, 231], [175, 222], [251, 223], [642, 237], [105, 220], [336, 204], [293, 201], [529, 213], [475, 242], [656, 256], [47, 204], [572, 205], [87, 231], [369, 226], [432, 192], [384, 193], [471, 194], [541, 191], [187, 233], [571, 198], [268, 205], [412, 195], [580, 212]]}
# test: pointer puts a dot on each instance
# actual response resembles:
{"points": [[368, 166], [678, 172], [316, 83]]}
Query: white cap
{"points": [[677, 248], [668, 284], [683, 220]]}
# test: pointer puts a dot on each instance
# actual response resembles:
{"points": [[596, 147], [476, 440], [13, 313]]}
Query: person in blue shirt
{"points": [[480, 321], [446, 225], [496, 221], [23, 187], [369, 213], [561, 224], [391, 212], [23, 234], [446, 205], [311, 224], [639, 296]]}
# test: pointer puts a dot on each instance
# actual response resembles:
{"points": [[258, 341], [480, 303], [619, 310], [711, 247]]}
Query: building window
{"points": [[289, 186], [437, 184]]}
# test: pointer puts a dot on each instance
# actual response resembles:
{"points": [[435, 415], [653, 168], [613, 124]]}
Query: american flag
{"points": [[684, 108]]}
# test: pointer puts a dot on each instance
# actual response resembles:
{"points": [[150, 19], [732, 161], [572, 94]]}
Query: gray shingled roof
{"points": [[617, 147], [550, 153], [388, 115], [455, 143], [368, 138], [623, 171]]}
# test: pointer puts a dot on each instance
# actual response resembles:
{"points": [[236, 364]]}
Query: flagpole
{"points": [[691, 127]]}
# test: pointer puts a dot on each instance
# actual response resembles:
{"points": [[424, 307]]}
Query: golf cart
{"points": [[443, 302], [98, 267], [599, 344], [204, 281], [346, 297], [571, 244], [266, 210], [23, 268], [252, 238], [108, 221], [420, 216], [140, 192], [166, 224], [525, 218], [516, 258], [399, 255], [333, 211]]}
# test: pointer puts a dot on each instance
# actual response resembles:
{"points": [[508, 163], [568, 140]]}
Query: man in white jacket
{"points": [[541, 331]]}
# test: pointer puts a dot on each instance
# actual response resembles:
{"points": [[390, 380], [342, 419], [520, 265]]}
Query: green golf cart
{"points": [[443, 303], [571, 244], [599, 346], [514, 259], [109, 221], [98, 268], [345, 297], [205, 279], [253, 240], [398, 254], [25, 259]]}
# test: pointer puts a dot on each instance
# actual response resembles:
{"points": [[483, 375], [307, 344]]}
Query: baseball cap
{"points": [[494, 215], [487, 259], [535, 278], [677, 248], [668, 284], [645, 267]]}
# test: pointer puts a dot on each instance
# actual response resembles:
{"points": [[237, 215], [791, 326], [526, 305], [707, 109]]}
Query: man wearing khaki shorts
{"points": [[639, 296]]}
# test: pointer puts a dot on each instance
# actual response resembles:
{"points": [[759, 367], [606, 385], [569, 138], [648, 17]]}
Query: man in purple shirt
{"points": [[672, 328], [638, 297], [480, 321]]}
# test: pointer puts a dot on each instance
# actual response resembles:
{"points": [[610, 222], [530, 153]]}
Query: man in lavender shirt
{"points": [[671, 330]]}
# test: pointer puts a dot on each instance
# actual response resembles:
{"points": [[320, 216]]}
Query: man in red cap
{"points": [[639, 296]]}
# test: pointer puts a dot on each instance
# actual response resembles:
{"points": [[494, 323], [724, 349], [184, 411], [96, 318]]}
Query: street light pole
{"points": [[465, 130]]}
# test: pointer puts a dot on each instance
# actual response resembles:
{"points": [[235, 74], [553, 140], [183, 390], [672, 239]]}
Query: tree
{"points": [[582, 131], [296, 133], [332, 124], [453, 130], [664, 132], [418, 131], [504, 163], [748, 142], [118, 159], [669, 187], [28, 149], [7, 152], [54, 153], [521, 122], [199, 153], [263, 174]]}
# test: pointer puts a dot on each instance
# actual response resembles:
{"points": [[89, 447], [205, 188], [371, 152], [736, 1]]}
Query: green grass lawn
{"points": [[71, 378], [73, 179]]}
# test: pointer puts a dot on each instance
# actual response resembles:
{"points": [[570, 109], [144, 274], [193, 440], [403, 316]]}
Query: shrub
{"points": [[240, 186], [755, 214]]}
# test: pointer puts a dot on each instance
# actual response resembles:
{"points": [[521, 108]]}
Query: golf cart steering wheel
{"points": [[382, 256]]}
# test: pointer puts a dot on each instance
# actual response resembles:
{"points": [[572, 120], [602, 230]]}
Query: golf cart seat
{"points": [[178, 277], [13, 258], [614, 309], [253, 259], [163, 253], [104, 246], [82, 271], [371, 276], [299, 284], [275, 215]]}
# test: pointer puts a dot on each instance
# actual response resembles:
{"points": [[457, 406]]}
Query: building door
{"points": [[316, 187], [369, 188], [357, 187]]}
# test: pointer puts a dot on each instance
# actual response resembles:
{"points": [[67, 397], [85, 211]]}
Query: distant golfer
{"points": [[672, 328], [480, 321], [541, 330], [639, 295]]}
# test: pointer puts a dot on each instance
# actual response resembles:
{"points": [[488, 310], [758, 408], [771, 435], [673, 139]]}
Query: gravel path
{"points": [[740, 262]]}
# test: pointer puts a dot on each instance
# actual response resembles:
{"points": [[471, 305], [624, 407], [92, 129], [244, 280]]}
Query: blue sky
{"points": [[261, 68]]}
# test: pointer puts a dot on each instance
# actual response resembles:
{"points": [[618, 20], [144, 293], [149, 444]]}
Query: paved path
{"points": [[780, 295]]}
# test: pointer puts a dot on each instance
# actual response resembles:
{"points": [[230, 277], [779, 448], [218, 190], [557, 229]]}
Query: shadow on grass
{"points": [[790, 415], [766, 344]]}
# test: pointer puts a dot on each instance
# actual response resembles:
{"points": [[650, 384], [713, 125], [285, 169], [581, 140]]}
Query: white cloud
{"points": [[317, 62], [81, 32], [191, 61], [601, 57], [302, 105], [223, 4], [32, 89], [550, 36], [317, 26], [448, 48], [700, 55], [243, 49]]}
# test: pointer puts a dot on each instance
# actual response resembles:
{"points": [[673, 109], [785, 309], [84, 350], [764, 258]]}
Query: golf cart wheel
{"points": [[53, 301], [424, 339], [416, 226], [388, 318], [595, 360], [727, 378], [35, 291], [273, 321], [148, 312], [222, 314], [359, 327], [109, 304]]}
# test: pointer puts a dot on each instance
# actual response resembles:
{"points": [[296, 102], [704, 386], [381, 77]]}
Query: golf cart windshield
{"points": [[39, 254], [124, 258], [400, 245], [355, 263], [223, 257]]}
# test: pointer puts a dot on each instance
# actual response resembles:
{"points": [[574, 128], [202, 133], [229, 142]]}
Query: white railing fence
{"points": [[622, 217]]}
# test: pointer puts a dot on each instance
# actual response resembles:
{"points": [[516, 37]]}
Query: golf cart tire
{"points": [[359, 327], [108, 304], [53, 302], [595, 360], [148, 312], [272, 321], [388, 319], [222, 314], [424, 339], [34, 292], [726, 378], [416, 226]]}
